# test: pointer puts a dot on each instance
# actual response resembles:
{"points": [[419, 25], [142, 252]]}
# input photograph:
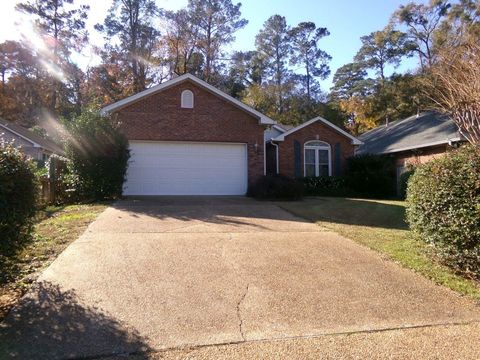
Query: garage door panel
{"points": [[163, 168]]}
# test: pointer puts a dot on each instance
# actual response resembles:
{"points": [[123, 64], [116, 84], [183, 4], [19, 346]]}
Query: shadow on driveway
{"points": [[52, 324], [182, 212]]}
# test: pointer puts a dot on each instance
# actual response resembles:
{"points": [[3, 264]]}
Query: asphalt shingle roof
{"points": [[285, 127], [426, 129], [44, 143]]}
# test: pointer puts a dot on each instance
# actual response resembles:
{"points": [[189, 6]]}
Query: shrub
{"points": [[325, 186], [97, 155], [41, 171], [371, 175], [60, 180], [18, 192], [443, 207], [277, 187], [403, 182]]}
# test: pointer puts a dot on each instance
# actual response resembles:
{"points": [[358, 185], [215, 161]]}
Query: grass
{"points": [[55, 228], [380, 225]]}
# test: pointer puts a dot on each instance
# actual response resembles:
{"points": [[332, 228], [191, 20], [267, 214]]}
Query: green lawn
{"points": [[55, 228], [380, 225]]}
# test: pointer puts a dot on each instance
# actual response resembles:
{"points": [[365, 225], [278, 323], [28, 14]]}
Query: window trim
{"points": [[184, 104], [320, 145]]}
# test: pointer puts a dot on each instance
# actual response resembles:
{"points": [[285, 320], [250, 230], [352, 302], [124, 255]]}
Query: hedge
{"points": [[277, 187], [325, 186], [443, 208], [97, 155], [371, 175], [18, 195], [403, 182]]}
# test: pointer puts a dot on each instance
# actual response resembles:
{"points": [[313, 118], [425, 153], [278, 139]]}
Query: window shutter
{"points": [[298, 158], [337, 167]]}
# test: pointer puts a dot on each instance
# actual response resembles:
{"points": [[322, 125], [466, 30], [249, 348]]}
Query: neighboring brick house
{"points": [[29, 143], [414, 140], [189, 138], [314, 148]]}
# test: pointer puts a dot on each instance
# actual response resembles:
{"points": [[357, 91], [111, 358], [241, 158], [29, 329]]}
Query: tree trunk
{"points": [[278, 79], [307, 70], [208, 55], [55, 87]]}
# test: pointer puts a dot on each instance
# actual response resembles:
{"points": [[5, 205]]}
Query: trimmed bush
{"points": [[325, 186], [18, 193], [277, 187], [403, 182], [443, 207], [97, 155], [371, 175]]}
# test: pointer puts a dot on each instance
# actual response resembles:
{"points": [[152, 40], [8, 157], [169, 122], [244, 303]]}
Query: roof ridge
{"points": [[397, 122], [354, 139]]}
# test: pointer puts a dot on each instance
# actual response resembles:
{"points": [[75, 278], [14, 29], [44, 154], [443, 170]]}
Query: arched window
{"points": [[187, 99], [317, 158]]}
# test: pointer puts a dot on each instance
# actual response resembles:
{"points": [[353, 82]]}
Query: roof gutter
{"points": [[441, 142]]}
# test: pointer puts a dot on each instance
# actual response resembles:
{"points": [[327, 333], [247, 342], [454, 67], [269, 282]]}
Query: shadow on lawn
{"points": [[10, 263], [19, 238], [51, 324], [361, 212]]}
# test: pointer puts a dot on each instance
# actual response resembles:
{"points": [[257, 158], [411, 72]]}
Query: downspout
{"points": [[264, 157], [276, 147]]}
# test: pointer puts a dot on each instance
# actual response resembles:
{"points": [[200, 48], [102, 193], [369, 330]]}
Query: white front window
{"points": [[317, 159]]}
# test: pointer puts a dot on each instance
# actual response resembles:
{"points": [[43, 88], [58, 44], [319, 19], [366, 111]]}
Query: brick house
{"points": [[29, 143], [189, 138], [314, 148], [414, 140]]}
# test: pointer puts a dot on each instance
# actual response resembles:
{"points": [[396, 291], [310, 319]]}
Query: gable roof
{"points": [[157, 88], [282, 127], [30, 136], [426, 129], [281, 137]]}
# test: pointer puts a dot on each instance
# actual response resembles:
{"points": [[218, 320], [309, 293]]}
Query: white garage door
{"points": [[175, 168]]}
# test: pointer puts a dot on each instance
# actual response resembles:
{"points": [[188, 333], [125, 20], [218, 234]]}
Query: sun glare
{"points": [[41, 45], [53, 69], [31, 36], [142, 60], [53, 126]]}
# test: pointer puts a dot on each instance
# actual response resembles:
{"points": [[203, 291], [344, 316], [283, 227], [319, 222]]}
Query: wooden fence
{"points": [[47, 193], [52, 187]]}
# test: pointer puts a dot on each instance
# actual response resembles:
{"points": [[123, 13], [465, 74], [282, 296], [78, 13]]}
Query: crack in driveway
{"points": [[237, 272], [239, 313]]}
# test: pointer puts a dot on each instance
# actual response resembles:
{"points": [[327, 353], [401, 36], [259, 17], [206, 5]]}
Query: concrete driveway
{"points": [[151, 275]]}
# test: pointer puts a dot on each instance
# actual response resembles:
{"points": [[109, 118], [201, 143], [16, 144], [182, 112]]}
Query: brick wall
{"points": [[159, 117], [315, 131], [420, 156]]}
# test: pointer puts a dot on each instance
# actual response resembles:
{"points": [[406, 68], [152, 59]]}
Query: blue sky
{"points": [[347, 21]]}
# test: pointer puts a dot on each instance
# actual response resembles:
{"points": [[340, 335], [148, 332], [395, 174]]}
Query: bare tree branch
{"points": [[454, 85]]}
